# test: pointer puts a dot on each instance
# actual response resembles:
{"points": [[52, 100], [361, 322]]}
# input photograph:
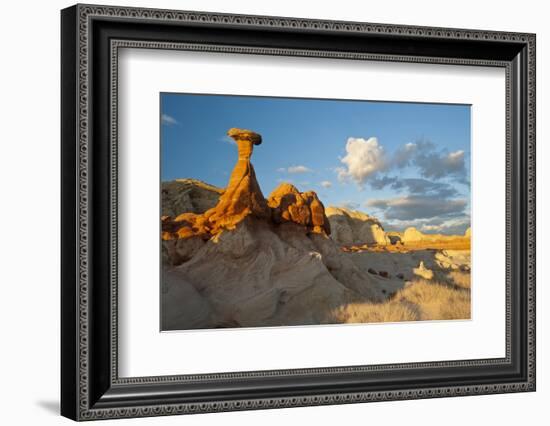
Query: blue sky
{"points": [[406, 163]]}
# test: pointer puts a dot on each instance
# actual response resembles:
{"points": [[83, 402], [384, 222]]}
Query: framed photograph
{"points": [[263, 212]]}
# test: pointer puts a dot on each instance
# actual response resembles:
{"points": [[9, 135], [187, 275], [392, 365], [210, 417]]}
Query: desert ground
{"points": [[233, 258]]}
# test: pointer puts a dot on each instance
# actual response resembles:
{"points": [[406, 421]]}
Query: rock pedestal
{"points": [[243, 198], [243, 195]]}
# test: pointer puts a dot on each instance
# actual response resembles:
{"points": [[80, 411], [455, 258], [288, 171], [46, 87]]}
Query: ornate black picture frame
{"points": [[91, 387]]}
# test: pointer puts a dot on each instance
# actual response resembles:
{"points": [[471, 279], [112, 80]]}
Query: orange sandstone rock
{"points": [[304, 208], [319, 220], [243, 197]]}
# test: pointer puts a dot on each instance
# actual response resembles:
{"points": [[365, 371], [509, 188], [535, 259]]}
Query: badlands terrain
{"points": [[234, 258]]}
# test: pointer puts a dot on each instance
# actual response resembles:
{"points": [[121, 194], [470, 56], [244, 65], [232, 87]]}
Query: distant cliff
{"points": [[351, 226], [188, 195]]}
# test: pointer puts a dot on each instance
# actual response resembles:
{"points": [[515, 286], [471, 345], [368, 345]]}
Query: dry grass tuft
{"points": [[376, 312], [437, 301], [458, 243], [460, 279], [422, 300]]}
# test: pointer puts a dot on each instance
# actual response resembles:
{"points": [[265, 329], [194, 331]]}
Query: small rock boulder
{"points": [[423, 272], [287, 204]]}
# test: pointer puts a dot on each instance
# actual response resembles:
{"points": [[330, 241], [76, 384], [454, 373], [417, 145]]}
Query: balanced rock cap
{"points": [[245, 135]]}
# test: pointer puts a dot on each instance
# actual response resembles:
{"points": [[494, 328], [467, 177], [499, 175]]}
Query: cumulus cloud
{"points": [[168, 120], [415, 186], [326, 184], [436, 164], [383, 182], [364, 158], [299, 169], [449, 227], [423, 186], [295, 169], [432, 163], [412, 207], [287, 180], [430, 199], [454, 226], [404, 155]]}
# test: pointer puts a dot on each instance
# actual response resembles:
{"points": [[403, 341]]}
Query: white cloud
{"points": [[455, 157], [326, 184], [454, 226], [341, 172], [294, 169], [168, 120], [364, 158], [298, 169]]}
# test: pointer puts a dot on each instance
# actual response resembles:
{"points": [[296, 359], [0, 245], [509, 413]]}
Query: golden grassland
{"points": [[451, 244], [419, 300]]}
